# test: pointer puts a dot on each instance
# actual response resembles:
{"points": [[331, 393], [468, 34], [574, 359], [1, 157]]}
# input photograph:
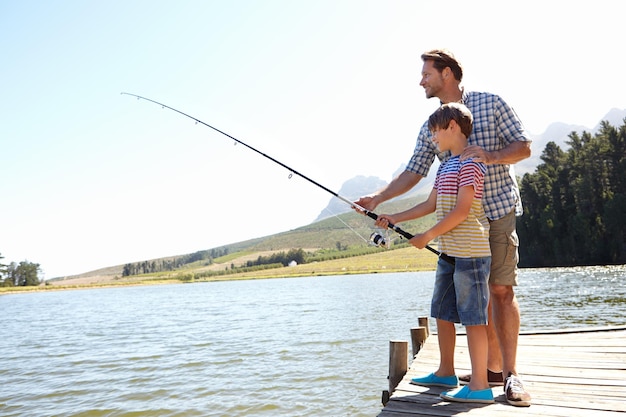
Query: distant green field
{"points": [[399, 260]]}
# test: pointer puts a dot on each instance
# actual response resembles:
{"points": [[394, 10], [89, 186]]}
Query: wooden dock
{"points": [[577, 373]]}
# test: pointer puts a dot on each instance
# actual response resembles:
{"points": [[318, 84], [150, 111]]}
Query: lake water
{"points": [[315, 346]]}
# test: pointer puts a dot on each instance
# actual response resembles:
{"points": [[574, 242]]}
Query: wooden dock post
{"points": [[419, 335], [423, 321], [398, 365]]}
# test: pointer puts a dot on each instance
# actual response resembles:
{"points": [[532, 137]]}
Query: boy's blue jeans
{"points": [[461, 293]]}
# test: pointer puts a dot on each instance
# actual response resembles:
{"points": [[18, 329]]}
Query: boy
{"points": [[461, 291]]}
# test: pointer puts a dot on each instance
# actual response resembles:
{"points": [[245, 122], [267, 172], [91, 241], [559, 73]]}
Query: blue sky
{"points": [[92, 178]]}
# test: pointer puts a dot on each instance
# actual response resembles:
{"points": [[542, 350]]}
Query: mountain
{"points": [[348, 229], [351, 190]]}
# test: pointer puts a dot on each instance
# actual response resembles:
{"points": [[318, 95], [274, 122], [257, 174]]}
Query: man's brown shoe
{"points": [[515, 393], [495, 379]]}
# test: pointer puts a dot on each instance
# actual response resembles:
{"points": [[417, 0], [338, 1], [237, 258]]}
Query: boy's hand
{"points": [[420, 241], [384, 220]]}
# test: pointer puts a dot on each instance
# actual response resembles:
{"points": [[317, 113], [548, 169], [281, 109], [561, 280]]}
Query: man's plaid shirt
{"points": [[495, 126]]}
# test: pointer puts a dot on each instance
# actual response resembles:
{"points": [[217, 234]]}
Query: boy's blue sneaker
{"points": [[437, 381], [466, 395]]}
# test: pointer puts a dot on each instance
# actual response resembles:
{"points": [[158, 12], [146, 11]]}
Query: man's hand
{"points": [[510, 154], [368, 203], [478, 153]]}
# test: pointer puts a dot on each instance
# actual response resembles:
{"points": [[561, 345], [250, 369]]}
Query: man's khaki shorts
{"points": [[504, 250]]}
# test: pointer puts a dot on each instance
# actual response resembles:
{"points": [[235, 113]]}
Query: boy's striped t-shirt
{"points": [[470, 239]]}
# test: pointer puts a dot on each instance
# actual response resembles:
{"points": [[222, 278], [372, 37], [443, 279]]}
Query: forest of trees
{"points": [[575, 202], [19, 275], [285, 258], [162, 265]]}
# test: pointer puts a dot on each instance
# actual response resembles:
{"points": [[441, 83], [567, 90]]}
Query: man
{"points": [[499, 140]]}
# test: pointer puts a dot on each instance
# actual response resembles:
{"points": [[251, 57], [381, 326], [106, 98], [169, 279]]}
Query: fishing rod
{"points": [[377, 239]]}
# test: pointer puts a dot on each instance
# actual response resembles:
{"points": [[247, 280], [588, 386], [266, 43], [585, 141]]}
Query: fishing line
{"points": [[347, 225], [292, 171]]}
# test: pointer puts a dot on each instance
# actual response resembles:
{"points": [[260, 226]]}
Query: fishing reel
{"points": [[377, 239]]}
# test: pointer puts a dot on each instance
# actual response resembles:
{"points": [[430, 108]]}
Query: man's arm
{"points": [[509, 155], [398, 186], [426, 207]]}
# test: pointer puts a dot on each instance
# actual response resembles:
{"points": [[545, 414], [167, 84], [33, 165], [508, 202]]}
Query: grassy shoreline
{"points": [[386, 261]]}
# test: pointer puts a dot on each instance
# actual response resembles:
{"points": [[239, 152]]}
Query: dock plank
{"points": [[576, 373]]}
